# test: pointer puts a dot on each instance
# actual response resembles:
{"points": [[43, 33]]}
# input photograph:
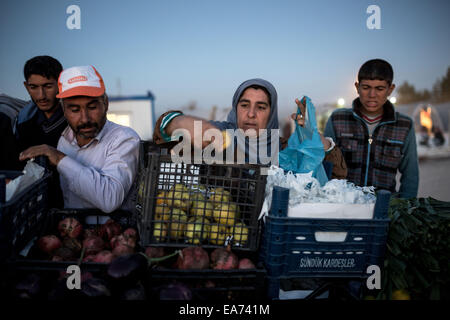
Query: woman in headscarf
{"points": [[254, 108]]}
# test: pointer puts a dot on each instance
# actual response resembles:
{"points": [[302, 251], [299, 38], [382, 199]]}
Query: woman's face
{"points": [[253, 111]]}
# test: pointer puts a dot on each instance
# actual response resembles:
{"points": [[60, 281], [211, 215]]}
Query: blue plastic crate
{"points": [[291, 247], [23, 215]]}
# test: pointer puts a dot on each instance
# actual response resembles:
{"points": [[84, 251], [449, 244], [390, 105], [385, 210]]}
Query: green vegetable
{"points": [[418, 249]]}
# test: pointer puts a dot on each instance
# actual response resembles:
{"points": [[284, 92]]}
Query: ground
{"points": [[434, 178]]}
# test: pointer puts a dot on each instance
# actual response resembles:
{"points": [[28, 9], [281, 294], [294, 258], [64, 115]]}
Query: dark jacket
{"points": [[373, 160], [33, 128], [9, 154]]}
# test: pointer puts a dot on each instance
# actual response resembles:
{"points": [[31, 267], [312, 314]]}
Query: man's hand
{"points": [[53, 155], [300, 118]]}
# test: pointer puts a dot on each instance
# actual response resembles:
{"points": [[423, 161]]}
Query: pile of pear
{"points": [[186, 214]]}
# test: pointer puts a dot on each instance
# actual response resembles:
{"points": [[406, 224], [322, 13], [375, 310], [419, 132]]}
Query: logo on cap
{"points": [[77, 79]]}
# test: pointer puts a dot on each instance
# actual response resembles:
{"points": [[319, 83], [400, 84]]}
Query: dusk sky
{"points": [[195, 50]]}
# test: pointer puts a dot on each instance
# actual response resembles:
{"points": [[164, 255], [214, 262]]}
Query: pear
{"points": [[162, 212], [220, 196], [177, 225], [160, 231], [200, 206], [218, 234], [239, 232], [197, 230], [160, 197], [225, 213], [178, 196]]}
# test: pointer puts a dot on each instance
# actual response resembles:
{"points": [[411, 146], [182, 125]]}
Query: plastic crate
{"points": [[33, 259], [199, 204], [292, 247], [213, 285], [210, 284], [22, 216]]}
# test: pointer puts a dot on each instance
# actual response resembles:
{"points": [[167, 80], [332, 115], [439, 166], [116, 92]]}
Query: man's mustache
{"points": [[87, 125]]}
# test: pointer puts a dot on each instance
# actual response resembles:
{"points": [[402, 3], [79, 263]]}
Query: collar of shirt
{"points": [[44, 121], [49, 124], [69, 135]]}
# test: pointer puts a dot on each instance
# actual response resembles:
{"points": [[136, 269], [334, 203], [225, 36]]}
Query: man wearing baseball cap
{"points": [[97, 159]]}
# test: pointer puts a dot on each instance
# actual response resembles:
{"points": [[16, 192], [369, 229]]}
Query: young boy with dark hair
{"points": [[42, 120], [376, 141]]}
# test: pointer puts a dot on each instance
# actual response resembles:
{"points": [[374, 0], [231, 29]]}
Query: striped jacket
{"points": [[373, 160]]}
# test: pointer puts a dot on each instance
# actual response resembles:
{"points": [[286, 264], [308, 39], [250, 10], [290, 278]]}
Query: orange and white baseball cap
{"points": [[80, 81]]}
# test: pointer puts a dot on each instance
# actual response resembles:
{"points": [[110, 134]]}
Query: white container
{"points": [[136, 112]]}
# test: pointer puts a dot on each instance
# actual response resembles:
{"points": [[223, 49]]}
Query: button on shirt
{"points": [[100, 173]]}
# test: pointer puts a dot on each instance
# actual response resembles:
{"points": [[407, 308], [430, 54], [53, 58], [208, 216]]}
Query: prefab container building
{"points": [[137, 112]]}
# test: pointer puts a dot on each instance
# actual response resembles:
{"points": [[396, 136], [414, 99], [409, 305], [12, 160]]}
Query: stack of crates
{"points": [[51, 274], [291, 248], [22, 216], [208, 205]]}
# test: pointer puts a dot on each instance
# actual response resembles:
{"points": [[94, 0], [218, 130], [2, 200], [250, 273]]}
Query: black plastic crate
{"points": [[22, 216], [32, 259], [213, 285], [183, 204], [210, 284], [51, 274]]}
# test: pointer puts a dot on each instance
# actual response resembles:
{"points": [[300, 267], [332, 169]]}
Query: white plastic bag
{"points": [[31, 173], [305, 189]]}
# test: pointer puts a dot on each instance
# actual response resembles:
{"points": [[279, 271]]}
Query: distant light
{"points": [[341, 102], [393, 100]]}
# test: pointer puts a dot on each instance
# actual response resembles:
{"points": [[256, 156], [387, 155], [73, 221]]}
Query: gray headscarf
{"points": [[251, 147], [273, 118]]}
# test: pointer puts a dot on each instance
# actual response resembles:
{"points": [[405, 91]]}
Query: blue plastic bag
{"points": [[304, 152]]}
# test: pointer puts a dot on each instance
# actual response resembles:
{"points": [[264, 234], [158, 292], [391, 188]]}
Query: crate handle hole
{"points": [[300, 238], [322, 236], [358, 238], [306, 252], [296, 252]]}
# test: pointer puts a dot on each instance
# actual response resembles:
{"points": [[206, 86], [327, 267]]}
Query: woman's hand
{"points": [[300, 118]]}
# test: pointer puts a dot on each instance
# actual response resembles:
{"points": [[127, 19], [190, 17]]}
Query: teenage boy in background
{"points": [[376, 141], [42, 120]]}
